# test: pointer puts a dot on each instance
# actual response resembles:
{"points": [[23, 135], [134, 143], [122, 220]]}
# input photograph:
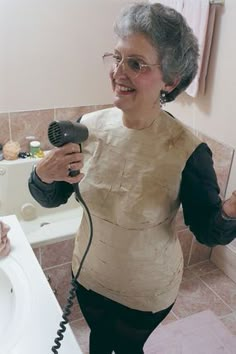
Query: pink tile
{"points": [[57, 253], [4, 128], [81, 332], [35, 123], [222, 157], [37, 254], [73, 113], [180, 225], [31, 123], [202, 333], [202, 267], [230, 322], [60, 282], [194, 296], [170, 318], [187, 275], [233, 243], [199, 252], [222, 285], [185, 239]]}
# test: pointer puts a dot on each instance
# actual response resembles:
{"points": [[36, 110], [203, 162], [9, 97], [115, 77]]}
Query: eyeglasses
{"points": [[132, 65]]}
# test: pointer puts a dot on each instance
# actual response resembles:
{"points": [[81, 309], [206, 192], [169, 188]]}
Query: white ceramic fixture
{"points": [[29, 311]]}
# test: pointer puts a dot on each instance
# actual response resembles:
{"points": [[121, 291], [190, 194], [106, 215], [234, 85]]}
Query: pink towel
{"points": [[200, 16], [4, 240]]}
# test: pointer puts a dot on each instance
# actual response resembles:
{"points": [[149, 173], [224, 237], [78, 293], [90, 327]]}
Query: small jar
{"points": [[34, 147], [29, 139]]}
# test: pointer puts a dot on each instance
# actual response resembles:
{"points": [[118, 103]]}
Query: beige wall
{"points": [[51, 57], [51, 52]]}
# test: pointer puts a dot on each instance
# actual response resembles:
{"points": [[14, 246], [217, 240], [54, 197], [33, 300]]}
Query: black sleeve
{"points": [[49, 195], [202, 205]]}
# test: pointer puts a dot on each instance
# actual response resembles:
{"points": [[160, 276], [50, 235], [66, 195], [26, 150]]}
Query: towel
{"points": [[4, 240], [207, 49], [200, 16]]}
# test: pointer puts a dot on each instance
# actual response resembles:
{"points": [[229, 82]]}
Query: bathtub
{"points": [[40, 225]]}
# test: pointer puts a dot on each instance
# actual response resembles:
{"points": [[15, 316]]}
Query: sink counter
{"points": [[30, 313]]}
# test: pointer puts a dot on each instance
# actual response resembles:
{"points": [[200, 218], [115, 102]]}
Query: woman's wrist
{"points": [[43, 180], [226, 216]]}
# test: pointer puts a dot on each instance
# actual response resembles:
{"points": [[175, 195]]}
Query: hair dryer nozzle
{"points": [[63, 132]]}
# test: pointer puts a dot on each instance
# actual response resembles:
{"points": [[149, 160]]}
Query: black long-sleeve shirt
{"points": [[199, 195]]}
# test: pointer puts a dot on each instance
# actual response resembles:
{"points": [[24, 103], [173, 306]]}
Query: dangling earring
{"points": [[163, 98]]}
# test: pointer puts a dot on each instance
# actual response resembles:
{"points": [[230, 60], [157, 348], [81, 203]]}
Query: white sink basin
{"points": [[29, 311], [14, 302]]}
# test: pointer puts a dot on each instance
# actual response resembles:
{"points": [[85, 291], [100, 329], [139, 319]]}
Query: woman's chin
{"points": [[117, 104], [121, 104]]}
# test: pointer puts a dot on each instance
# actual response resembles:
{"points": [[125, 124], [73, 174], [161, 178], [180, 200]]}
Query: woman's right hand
{"points": [[229, 206], [57, 163], [5, 246]]}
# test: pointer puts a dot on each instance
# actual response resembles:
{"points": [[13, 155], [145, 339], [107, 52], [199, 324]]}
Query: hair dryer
{"points": [[63, 132]]}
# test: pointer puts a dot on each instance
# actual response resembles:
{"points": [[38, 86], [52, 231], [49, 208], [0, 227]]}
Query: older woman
{"points": [[140, 164]]}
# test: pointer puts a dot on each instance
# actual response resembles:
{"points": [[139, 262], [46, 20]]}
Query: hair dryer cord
{"points": [[72, 292]]}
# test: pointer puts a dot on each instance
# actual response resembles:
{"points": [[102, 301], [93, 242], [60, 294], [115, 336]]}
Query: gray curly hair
{"points": [[166, 29]]}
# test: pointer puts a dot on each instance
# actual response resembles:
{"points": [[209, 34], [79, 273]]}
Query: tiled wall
{"points": [[17, 126], [55, 259], [223, 155]]}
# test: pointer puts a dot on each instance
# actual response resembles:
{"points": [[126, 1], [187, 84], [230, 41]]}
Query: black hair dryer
{"points": [[63, 132]]}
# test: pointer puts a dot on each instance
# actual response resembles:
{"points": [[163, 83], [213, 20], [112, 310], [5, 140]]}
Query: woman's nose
{"points": [[120, 69]]}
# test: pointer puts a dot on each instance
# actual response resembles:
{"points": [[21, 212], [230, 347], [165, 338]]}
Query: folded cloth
{"points": [[5, 246]]}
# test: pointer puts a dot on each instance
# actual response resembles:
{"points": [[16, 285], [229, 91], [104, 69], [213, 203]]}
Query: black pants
{"points": [[115, 327]]}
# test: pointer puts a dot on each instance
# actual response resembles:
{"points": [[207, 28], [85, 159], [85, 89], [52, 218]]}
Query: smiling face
{"points": [[137, 94]]}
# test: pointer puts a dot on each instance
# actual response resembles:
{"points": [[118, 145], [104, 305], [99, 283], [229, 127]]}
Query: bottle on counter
{"points": [[34, 147]]}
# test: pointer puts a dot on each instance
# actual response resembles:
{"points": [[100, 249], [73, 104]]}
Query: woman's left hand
{"points": [[229, 206], [5, 246]]}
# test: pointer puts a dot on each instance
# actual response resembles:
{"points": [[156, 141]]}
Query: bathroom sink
{"points": [[14, 303], [29, 311]]}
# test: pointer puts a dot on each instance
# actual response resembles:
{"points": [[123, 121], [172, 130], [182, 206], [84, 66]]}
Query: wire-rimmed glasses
{"points": [[132, 65]]}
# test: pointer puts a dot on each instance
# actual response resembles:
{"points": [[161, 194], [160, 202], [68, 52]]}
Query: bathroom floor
{"points": [[203, 317]]}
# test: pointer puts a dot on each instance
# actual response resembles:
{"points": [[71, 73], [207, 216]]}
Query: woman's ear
{"points": [[168, 88]]}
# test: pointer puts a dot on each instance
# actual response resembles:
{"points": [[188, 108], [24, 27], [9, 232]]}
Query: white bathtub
{"points": [[41, 225]]}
